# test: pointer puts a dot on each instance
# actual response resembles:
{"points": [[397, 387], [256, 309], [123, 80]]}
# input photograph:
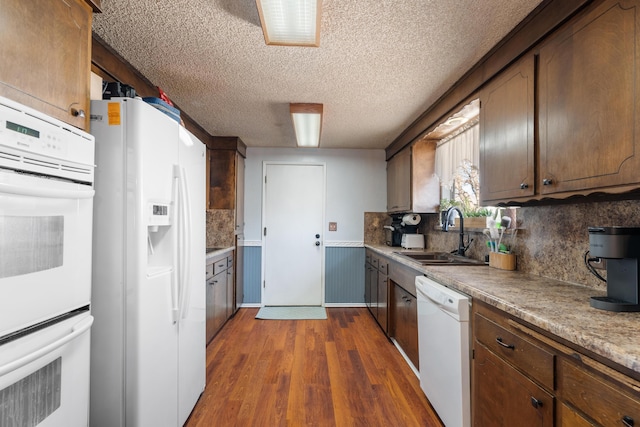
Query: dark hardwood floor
{"points": [[337, 372]]}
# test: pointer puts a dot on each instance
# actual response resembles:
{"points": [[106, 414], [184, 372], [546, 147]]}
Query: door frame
{"points": [[265, 164]]}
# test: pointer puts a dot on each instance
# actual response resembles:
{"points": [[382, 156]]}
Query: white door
{"points": [[293, 252]]}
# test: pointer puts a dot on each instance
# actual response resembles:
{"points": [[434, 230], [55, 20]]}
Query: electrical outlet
{"points": [[333, 226]]}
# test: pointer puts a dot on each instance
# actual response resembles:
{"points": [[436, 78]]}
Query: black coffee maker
{"points": [[620, 246], [397, 228]]}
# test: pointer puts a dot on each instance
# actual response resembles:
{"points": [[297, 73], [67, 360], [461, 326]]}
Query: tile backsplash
{"points": [[551, 240]]}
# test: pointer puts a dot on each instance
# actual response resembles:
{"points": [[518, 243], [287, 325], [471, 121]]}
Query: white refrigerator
{"points": [[148, 290]]}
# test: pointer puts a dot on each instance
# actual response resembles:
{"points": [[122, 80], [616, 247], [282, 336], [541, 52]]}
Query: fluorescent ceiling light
{"points": [[307, 123], [290, 22]]}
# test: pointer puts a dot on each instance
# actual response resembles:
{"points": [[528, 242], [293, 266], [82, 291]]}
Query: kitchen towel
{"points": [[292, 313]]}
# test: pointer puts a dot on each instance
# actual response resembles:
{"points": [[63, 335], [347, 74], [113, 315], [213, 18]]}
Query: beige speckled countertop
{"points": [[214, 252], [557, 307]]}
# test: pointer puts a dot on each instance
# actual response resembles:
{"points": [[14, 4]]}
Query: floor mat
{"points": [[292, 313]]}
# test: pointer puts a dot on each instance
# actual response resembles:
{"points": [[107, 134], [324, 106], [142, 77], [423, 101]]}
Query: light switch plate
{"points": [[333, 226]]}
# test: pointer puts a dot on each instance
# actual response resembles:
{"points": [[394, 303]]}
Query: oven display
{"points": [[22, 129]]}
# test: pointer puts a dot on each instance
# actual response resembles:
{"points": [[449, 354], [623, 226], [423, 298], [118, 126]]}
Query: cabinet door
{"points": [[507, 134], [589, 101], [373, 292], [239, 194], [230, 288], [210, 312], [46, 59], [219, 288], [367, 280], [222, 179], [382, 301], [399, 182], [504, 397], [406, 323]]}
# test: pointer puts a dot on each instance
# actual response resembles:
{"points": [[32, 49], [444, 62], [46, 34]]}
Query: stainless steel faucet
{"points": [[445, 227]]}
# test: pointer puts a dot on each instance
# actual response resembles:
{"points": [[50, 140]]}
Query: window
{"points": [[458, 158]]}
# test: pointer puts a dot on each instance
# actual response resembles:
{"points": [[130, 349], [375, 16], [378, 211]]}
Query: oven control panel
{"points": [[34, 142]]}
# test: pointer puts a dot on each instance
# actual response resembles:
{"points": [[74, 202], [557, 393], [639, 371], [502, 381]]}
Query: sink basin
{"points": [[439, 258]]}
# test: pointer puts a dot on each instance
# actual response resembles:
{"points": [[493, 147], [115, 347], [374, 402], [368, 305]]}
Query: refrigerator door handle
{"points": [[175, 277], [185, 245]]}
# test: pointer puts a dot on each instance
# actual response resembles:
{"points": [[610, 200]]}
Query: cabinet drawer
{"points": [[533, 360], [599, 398], [383, 266], [209, 271], [219, 266], [567, 417], [374, 262]]}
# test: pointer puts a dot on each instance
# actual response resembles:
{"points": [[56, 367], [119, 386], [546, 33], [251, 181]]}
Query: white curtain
{"points": [[451, 152]]}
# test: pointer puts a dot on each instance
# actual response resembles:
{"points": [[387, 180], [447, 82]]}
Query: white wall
{"points": [[356, 183]]}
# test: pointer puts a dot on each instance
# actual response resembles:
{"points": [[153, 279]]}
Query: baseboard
{"points": [[328, 305], [344, 304]]}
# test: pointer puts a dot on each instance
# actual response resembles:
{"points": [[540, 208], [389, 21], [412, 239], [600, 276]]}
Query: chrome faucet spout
{"points": [[445, 227]]}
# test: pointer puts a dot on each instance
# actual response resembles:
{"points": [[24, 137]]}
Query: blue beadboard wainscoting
{"points": [[252, 274], [344, 274]]}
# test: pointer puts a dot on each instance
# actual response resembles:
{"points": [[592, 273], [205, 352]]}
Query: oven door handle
{"points": [[41, 191], [77, 330]]}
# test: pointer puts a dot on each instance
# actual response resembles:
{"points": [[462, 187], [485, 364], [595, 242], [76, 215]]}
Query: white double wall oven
{"points": [[46, 210]]}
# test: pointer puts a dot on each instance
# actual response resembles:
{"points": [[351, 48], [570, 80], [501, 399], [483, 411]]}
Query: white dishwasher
{"points": [[444, 350]]}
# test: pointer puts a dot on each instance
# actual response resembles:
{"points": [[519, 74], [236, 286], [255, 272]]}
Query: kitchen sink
{"points": [[439, 258]]}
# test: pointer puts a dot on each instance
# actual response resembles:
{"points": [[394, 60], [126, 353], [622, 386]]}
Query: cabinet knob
{"points": [[317, 243], [524, 186], [535, 402], [547, 181], [627, 421]]}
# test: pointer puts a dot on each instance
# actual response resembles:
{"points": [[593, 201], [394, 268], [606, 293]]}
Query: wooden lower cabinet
{"points": [[598, 397], [219, 293], [504, 397], [371, 288], [382, 301], [525, 378], [405, 322]]}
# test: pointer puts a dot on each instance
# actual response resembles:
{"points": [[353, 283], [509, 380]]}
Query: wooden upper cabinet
{"points": [[399, 182], [507, 134], [46, 57], [226, 174], [411, 182], [589, 102]]}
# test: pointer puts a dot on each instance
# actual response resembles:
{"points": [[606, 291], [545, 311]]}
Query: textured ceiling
{"points": [[380, 64]]}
